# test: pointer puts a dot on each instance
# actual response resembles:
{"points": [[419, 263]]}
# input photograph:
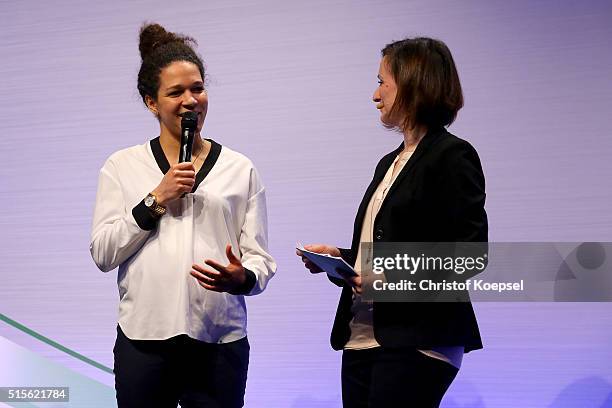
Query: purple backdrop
{"points": [[290, 86]]}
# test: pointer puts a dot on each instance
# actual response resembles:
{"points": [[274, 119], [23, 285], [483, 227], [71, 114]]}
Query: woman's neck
{"points": [[413, 136]]}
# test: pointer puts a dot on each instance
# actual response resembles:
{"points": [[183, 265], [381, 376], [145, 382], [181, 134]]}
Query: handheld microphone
{"points": [[189, 123]]}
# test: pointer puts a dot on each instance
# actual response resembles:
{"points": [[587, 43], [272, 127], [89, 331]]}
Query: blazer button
{"points": [[379, 234]]}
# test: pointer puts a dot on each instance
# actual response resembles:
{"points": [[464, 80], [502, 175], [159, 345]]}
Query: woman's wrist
{"points": [[159, 198]]}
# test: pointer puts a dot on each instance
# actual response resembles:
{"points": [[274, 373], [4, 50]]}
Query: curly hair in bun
{"points": [[158, 49]]}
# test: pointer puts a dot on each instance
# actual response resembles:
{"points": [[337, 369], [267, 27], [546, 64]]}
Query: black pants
{"points": [[389, 378], [164, 373]]}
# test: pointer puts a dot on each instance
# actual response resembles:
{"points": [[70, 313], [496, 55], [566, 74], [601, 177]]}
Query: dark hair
{"points": [[158, 49], [428, 88]]}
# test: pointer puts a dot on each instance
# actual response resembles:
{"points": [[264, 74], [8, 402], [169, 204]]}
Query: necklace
{"points": [[199, 153]]}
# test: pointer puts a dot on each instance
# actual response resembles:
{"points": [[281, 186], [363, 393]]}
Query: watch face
{"points": [[149, 200]]}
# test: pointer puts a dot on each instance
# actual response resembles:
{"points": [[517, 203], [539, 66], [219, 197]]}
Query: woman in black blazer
{"points": [[430, 189]]}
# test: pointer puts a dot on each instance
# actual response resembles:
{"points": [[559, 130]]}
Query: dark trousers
{"points": [[164, 373], [389, 378]]}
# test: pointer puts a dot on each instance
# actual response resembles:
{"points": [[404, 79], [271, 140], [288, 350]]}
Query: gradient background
{"points": [[290, 85]]}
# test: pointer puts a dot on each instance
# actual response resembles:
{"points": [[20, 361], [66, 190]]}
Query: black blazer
{"points": [[438, 196]]}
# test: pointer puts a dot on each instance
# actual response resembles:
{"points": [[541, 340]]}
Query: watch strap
{"points": [[155, 208]]}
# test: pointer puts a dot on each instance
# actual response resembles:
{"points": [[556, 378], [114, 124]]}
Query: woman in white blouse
{"points": [[190, 240]]}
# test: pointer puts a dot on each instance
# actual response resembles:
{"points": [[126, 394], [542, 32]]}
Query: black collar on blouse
{"points": [[209, 162]]}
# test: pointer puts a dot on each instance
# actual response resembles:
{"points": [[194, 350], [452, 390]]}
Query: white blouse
{"points": [[159, 299]]}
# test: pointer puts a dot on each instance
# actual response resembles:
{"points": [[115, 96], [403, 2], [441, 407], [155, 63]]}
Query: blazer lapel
{"points": [[421, 149], [378, 177]]}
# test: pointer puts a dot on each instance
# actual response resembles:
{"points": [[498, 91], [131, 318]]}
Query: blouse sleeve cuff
{"points": [[143, 216], [248, 284]]}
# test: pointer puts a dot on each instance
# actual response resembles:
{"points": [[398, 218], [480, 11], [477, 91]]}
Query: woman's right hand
{"points": [[176, 182], [320, 249], [354, 281]]}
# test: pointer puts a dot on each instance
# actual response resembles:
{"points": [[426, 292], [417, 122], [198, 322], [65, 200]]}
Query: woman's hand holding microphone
{"points": [[179, 180]]}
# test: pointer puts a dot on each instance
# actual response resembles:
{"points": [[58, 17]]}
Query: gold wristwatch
{"points": [[150, 202]]}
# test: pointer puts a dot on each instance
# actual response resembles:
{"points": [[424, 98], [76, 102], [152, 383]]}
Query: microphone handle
{"points": [[186, 148]]}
